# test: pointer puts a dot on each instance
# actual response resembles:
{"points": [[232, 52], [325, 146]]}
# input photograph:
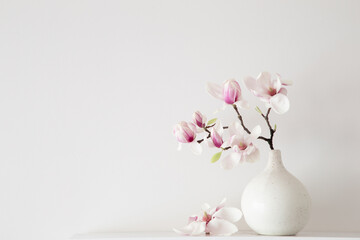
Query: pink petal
{"points": [[199, 119], [192, 126], [230, 161], [194, 228], [221, 204], [283, 91], [250, 83], [284, 81], [215, 90], [219, 226], [253, 155], [280, 103], [209, 142], [230, 214], [196, 148], [218, 207], [231, 91], [243, 104], [193, 218], [216, 138]]}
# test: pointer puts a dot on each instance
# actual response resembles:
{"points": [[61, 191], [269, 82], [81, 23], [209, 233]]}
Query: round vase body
{"points": [[275, 202]]}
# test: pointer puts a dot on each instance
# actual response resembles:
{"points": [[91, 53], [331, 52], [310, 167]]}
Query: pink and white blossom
{"points": [[229, 92], [217, 221], [242, 145], [199, 119], [216, 136], [270, 90], [185, 132]]}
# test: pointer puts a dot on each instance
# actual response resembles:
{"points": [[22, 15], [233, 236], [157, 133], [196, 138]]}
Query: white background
{"points": [[90, 91]]}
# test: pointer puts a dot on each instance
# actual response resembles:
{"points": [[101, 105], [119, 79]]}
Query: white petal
{"points": [[221, 204], [205, 207], [230, 214], [230, 161], [194, 228], [219, 128], [250, 83], [209, 142], [280, 103], [276, 84], [286, 82], [218, 207], [253, 156], [255, 133], [264, 80], [219, 226], [235, 141], [235, 129], [179, 146], [199, 130], [243, 104], [215, 90], [196, 148], [221, 109]]}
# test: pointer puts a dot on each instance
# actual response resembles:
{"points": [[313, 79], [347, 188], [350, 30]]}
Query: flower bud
{"points": [[216, 138], [185, 132], [231, 91], [199, 119]]}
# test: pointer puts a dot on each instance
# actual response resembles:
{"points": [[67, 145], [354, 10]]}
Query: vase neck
{"points": [[274, 161]]}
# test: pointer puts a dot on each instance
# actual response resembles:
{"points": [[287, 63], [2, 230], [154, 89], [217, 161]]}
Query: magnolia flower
{"points": [[216, 138], [199, 119], [270, 90], [242, 145], [229, 92], [217, 221], [186, 133]]}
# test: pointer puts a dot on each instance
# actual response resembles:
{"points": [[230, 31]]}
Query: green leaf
{"points": [[275, 127], [216, 157], [212, 121], [258, 110]]}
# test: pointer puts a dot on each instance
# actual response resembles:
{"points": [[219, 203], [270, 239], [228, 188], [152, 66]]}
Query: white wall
{"points": [[90, 91]]}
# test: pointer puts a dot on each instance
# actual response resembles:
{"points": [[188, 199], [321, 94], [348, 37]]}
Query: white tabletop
{"points": [[242, 235]]}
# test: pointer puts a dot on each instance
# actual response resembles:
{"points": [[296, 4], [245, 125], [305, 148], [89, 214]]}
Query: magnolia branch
{"points": [[241, 119], [266, 117], [209, 135], [272, 130]]}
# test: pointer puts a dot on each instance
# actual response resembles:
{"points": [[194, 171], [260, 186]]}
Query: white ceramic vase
{"points": [[275, 202]]}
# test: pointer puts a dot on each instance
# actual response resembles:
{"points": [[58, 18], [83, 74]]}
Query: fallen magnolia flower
{"points": [[217, 221]]}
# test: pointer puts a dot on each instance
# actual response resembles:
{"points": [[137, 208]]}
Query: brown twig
{"points": [[272, 130], [241, 120], [209, 133], [266, 117]]}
